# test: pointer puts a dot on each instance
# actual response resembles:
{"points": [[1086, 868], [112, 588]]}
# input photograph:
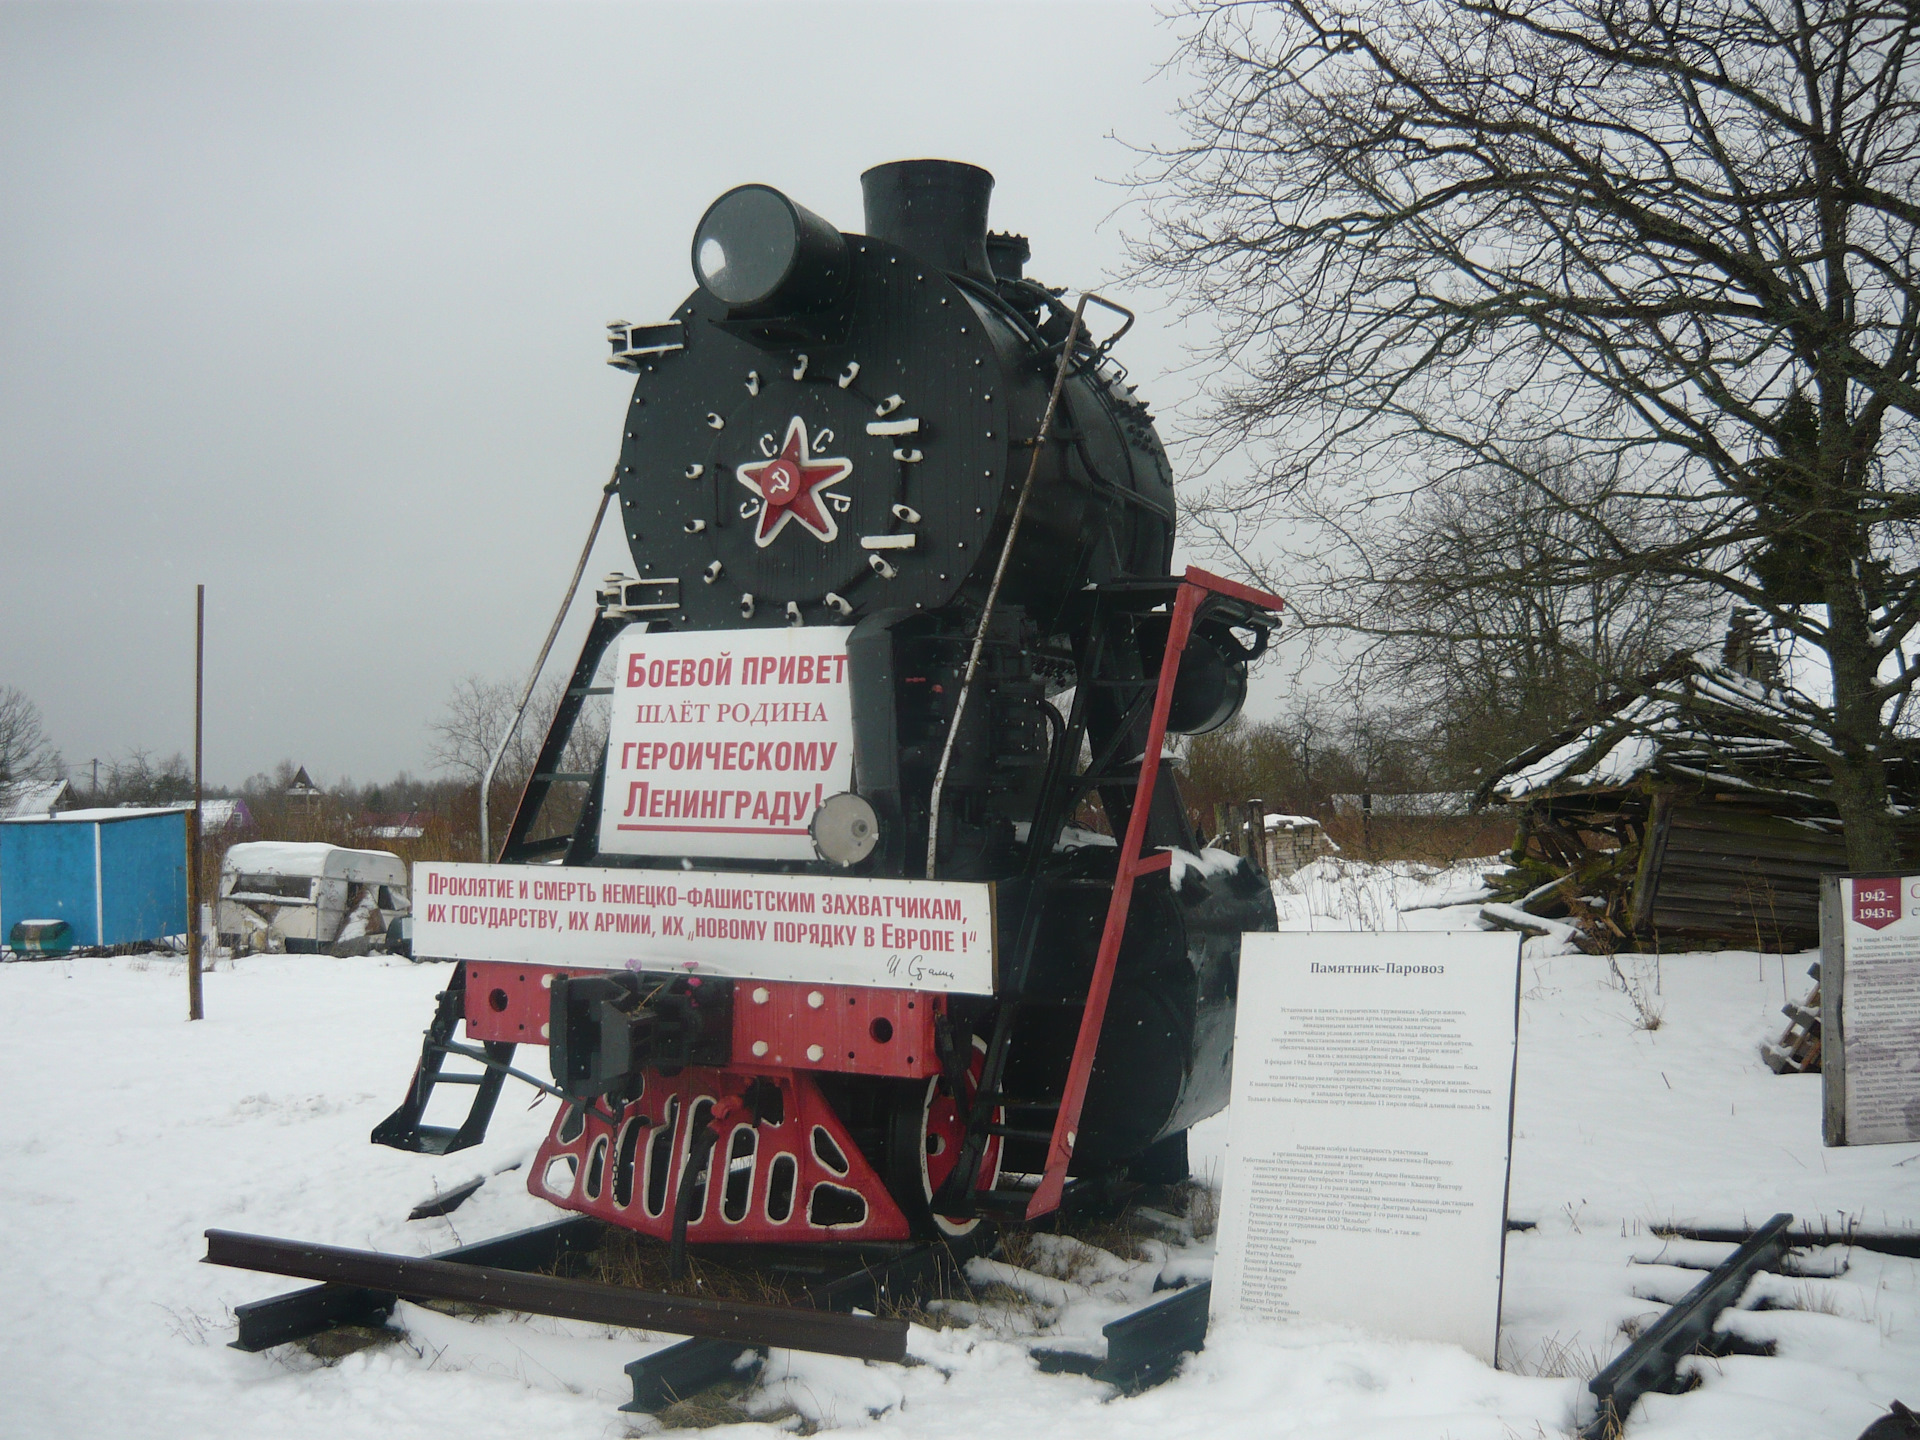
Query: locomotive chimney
{"points": [[936, 209]]}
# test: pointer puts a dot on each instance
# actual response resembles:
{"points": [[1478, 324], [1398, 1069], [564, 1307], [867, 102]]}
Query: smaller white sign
{"points": [[724, 742], [1369, 1131], [825, 929]]}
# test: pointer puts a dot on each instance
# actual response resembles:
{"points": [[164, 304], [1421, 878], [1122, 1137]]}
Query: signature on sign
{"points": [[916, 967]]}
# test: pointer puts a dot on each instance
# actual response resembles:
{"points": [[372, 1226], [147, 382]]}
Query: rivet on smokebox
{"points": [[760, 997], [814, 1052], [815, 999]]}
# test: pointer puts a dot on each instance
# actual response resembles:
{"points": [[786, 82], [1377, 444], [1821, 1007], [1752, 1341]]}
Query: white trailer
{"points": [[305, 898]]}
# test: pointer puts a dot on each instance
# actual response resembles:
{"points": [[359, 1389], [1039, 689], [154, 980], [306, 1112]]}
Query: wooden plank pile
{"points": [[1682, 814]]}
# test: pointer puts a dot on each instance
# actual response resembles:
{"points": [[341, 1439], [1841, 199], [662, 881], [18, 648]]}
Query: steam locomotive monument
{"points": [[818, 949]]}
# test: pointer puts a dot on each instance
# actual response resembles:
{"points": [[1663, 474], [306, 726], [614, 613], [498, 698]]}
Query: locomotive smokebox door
{"points": [[845, 829]]}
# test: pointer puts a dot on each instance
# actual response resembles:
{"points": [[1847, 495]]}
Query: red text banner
{"points": [[826, 929], [725, 743]]}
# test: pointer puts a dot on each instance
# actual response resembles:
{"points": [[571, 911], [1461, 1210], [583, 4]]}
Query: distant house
{"points": [[398, 825], [223, 816], [303, 796], [26, 799]]}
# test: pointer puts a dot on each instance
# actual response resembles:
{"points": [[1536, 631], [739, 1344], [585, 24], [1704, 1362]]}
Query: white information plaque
{"points": [[1368, 1139], [1870, 1009], [832, 930], [724, 742]]}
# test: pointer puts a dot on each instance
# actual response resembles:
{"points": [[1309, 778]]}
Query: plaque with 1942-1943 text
{"points": [[1870, 1008]]}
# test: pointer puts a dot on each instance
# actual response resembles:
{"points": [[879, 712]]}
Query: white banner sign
{"points": [[825, 929], [725, 742], [1368, 1138]]}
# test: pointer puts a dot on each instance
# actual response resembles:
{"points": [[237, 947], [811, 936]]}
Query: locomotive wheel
{"points": [[928, 1129]]}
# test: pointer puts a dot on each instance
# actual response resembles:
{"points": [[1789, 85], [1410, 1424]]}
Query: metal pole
{"points": [[993, 590], [526, 698], [195, 1010]]}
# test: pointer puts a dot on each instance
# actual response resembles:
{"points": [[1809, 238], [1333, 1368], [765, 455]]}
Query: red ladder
{"points": [[1195, 586]]}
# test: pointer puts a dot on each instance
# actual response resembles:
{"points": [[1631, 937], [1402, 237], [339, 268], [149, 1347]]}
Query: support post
{"points": [[195, 1009]]}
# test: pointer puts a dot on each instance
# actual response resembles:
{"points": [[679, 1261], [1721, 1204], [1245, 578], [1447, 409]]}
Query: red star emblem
{"points": [[789, 484]]}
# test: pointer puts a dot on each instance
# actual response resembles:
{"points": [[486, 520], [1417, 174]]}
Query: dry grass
{"points": [[330, 1347], [1438, 840], [1649, 1012], [1816, 1299], [637, 1261], [724, 1403], [641, 1263], [1198, 1202], [1557, 1359], [1192, 1207]]}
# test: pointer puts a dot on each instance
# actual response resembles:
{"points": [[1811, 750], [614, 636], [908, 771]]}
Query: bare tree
{"points": [[139, 779], [25, 753], [468, 730], [1300, 761], [1674, 239], [1492, 615], [479, 711]]}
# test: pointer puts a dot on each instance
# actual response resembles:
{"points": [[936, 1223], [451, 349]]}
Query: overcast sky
{"points": [[307, 302]]}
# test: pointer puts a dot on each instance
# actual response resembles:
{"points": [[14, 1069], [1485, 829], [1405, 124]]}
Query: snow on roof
{"points": [[1698, 718], [22, 799], [101, 814], [1291, 822], [287, 857]]}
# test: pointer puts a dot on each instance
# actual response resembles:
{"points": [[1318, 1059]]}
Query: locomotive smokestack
{"points": [[936, 209]]}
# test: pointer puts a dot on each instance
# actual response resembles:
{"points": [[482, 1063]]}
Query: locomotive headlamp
{"points": [[758, 253]]}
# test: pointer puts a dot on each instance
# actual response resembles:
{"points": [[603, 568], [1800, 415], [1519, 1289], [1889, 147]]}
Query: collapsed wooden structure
{"points": [[1683, 810]]}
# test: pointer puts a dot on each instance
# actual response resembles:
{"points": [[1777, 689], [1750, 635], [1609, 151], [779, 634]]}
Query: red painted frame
{"points": [[579, 1165], [1195, 586], [777, 1025]]}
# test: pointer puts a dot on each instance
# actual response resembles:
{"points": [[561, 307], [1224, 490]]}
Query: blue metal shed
{"points": [[115, 876]]}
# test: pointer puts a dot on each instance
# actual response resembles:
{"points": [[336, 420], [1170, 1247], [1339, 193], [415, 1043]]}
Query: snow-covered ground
{"points": [[130, 1131], [1335, 893]]}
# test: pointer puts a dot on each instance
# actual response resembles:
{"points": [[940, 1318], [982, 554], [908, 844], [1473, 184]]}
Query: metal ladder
{"points": [[403, 1129], [1197, 595]]}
